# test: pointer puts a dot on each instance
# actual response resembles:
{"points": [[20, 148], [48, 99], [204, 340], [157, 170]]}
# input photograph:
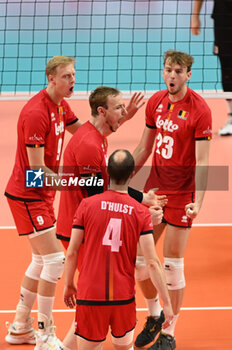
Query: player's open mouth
{"points": [[172, 84], [71, 89]]}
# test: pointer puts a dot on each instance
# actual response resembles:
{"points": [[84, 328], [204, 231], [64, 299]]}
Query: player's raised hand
{"points": [[135, 103]]}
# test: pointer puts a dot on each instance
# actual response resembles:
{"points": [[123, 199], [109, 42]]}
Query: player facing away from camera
{"points": [[41, 128], [111, 224], [178, 122]]}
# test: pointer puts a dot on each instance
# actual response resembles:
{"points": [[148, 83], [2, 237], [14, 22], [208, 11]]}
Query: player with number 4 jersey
{"points": [[122, 222], [111, 224]]}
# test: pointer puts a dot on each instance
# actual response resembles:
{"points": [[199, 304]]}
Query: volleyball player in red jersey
{"points": [[86, 153], [111, 223], [41, 128], [179, 122], [86, 157]]}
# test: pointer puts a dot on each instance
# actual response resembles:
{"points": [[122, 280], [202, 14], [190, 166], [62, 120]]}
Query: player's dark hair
{"points": [[120, 166], [181, 58], [99, 96]]}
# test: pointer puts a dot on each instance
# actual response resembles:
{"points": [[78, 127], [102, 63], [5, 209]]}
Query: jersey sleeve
{"points": [[78, 219], [150, 122], [89, 160], [203, 130], [147, 226], [36, 126], [153, 103], [70, 115]]}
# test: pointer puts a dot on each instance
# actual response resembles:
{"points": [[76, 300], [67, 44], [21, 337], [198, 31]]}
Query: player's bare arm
{"points": [[195, 20], [36, 161], [155, 268], [70, 267], [144, 148], [202, 160], [73, 127]]}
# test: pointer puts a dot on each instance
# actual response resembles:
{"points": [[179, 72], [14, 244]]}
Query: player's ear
{"points": [[189, 74], [101, 110], [51, 78]]}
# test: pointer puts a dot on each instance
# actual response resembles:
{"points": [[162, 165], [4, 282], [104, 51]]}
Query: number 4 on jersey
{"points": [[112, 235]]}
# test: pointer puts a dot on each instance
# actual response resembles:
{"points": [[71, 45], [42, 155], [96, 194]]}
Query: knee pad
{"points": [[141, 270], [53, 267], [174, 273], [125, 340], [35, 267]]}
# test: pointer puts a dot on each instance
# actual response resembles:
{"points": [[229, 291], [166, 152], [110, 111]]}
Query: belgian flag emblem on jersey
{"points": [[183, 114]]}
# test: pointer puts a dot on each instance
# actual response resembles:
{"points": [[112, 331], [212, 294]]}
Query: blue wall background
{"points": [[118, 43]]}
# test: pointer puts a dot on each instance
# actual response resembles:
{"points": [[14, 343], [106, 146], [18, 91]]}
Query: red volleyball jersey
{"points": [[112, 223], [41, 124], [178, 126], [86, 153]]}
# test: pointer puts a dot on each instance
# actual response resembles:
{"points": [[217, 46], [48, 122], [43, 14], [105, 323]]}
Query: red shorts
{"points": [[92, 322], [174, 210], [31, 217]]}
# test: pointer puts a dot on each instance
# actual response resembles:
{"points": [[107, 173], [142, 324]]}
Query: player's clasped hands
{"points": [[70, 296]]}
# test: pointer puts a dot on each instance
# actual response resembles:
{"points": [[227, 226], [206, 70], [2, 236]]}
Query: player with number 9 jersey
{"points": [[41, 124]]}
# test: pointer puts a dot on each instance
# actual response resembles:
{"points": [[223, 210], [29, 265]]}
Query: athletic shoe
{"points": [[48, 340], [226, 130], [20, 333], [164, 342], [151, 328]]}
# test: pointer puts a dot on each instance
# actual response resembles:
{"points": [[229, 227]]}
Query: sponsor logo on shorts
{"points": [[34, 178], [184, 219]]}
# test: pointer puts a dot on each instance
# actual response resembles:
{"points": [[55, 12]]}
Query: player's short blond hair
{"points": [[99, 96], [181, 58], [57, 61]]}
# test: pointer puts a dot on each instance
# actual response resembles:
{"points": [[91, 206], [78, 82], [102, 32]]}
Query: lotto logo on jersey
{"points": [[34, 178]]}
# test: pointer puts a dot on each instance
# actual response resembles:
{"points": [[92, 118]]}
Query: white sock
{"points": [[170, 330], [23, 309], [45, 306], [27, 298], [154, 307]]}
